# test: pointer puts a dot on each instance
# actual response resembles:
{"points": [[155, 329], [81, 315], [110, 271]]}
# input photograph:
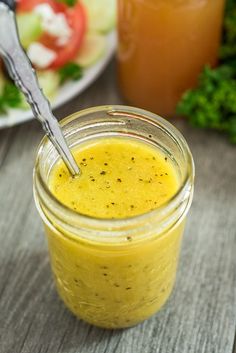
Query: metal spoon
{"points": [[22, 73]]}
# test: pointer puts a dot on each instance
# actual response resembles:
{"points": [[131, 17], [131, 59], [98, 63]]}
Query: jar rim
{"points": [[129, 222]]}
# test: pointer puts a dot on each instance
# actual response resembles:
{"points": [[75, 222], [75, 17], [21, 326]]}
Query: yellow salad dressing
{"points": [[115, 285]]}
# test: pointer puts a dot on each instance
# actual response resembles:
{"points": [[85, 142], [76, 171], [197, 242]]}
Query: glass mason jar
{"points": [[163, 46], [115, 273]]}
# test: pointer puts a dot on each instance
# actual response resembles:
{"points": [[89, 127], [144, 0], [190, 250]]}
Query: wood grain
{"points": [[200, 316]]}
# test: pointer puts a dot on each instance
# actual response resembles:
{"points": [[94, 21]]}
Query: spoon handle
{"points": [[10, 3], [24, 76]]}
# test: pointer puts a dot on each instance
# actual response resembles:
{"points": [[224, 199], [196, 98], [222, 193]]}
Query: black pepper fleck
{"points": [[84, 159], [105, 274], [105, 163], [103, 172], [129, 238], [127, 288], [119, 180], [166, 159]]}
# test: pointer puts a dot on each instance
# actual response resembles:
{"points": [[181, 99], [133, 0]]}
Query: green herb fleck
{"points": [[69, 3], [70, 71], [10, 97]]}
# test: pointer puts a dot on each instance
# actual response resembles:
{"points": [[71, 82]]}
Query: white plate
{"points": [[68, 90]]}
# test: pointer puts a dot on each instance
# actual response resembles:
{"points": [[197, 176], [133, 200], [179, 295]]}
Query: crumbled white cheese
{"points": [[40, 56], [45, 11], [54, 23]]}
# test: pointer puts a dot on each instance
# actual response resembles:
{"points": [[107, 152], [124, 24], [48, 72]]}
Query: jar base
{"points": [[116, 323]]}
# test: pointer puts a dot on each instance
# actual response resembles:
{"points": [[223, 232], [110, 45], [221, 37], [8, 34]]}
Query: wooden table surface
{"points": [[200, 316]]}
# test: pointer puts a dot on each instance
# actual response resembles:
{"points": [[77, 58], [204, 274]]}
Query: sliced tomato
{"points": [[29, 5], [76, 18]]}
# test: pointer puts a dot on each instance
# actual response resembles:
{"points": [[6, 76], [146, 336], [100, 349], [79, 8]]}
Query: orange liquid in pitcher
{"points": [[163, 46]]}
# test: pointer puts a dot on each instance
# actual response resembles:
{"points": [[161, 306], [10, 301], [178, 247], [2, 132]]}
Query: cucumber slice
{"points": [[23, 104], [49, 81], [30, 28], [101, 14], [2, 81], [92, 50]]}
